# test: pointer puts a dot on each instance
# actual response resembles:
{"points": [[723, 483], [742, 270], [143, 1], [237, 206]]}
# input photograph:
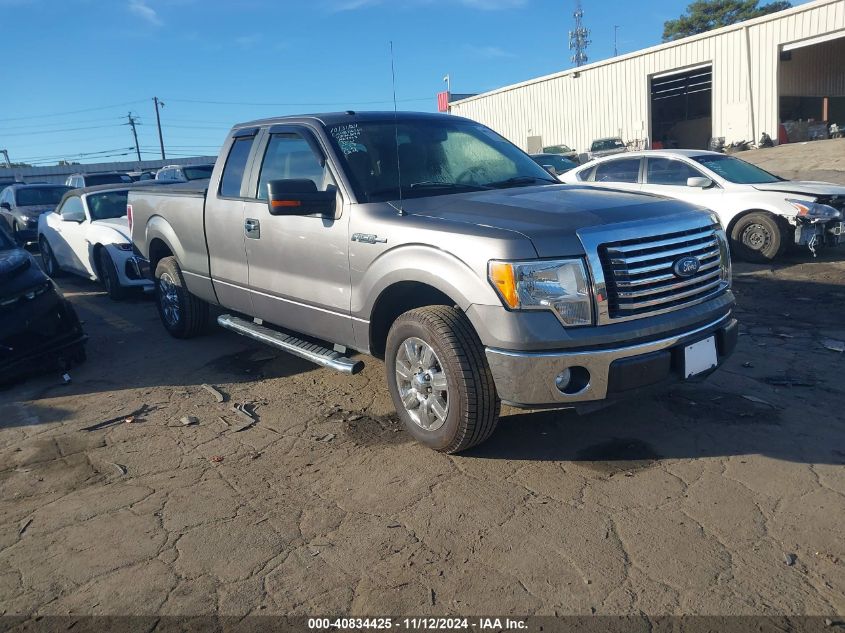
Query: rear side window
{"points": [[626, 170], [233, 172], [664, 171]]}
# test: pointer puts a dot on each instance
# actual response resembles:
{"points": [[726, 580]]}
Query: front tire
{"points": [[758, 237], [182, 314], [439, 379], [108, 275], [48, 258]]}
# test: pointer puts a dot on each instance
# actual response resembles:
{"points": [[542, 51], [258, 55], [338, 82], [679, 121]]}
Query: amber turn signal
{"points": [[502, 277]]}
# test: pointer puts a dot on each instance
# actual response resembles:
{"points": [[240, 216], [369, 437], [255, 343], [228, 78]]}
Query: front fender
{"points": [[423, 264]]}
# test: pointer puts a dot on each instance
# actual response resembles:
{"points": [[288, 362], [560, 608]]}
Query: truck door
{"points": [[298, 265], [224, 223]]}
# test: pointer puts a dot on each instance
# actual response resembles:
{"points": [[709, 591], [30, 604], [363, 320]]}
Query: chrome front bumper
{"points": [[527, 379]]}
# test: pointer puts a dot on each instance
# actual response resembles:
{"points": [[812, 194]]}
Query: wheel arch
{"points": [[395, 300]]}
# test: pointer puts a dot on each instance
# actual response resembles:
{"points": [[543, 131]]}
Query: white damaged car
{"points": [[762, 213], [88, 235]]}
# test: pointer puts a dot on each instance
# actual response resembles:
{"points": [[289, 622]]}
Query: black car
{"points": [[554, 163], [20, 206], [39, 329]]}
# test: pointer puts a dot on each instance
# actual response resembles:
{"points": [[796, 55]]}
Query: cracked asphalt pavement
{"points": [[721, 497]]}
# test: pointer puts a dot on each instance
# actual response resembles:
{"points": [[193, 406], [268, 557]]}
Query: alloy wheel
{"points": [[423, 388]]}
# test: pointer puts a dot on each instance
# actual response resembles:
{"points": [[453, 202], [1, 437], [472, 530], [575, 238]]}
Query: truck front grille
{"points": [[640, 277]]}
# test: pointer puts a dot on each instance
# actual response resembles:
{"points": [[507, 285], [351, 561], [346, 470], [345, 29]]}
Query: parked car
{"points": [[762, 213], [184, 173], [39, 329], [554, 163], [78, 181], [21, 205], [436, 244], [562, 150], [604, 147], [141, 176], [88, 235]]}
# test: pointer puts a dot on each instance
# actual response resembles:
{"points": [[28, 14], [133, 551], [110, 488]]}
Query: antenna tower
{"points": [[579, 37]]}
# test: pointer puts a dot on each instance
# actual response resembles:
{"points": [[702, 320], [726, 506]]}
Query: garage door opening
{"points": [[681, 109], [811, 87]]}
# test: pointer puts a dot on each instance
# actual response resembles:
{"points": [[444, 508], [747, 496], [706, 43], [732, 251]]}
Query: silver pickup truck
{"points": [[432, 242]]}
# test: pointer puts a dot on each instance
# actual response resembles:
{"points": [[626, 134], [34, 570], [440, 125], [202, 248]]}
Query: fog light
{"points": [[563, 379], [573, 380]]}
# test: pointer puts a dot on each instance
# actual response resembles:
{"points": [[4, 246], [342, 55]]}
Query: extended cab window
{"points": [[665, 171], [233, 172], [626, 170], [289, 156]]}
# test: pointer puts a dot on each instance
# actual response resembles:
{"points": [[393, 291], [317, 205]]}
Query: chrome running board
{"points": [[291, 344]]}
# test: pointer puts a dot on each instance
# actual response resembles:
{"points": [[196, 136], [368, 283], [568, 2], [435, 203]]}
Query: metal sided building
{"points": [[734, 82]]}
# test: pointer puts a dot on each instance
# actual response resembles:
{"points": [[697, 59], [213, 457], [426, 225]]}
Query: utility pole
{"points": [[615, 47], [135, 134], [6, 154], [158, 122], [579, 37]]}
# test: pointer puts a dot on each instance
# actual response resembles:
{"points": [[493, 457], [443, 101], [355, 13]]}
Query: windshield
{"points": [[105, 179], [736, 170], [197, 172], [435, 157], [557, 149], [607, 143], [35, 196], [107, 205]]}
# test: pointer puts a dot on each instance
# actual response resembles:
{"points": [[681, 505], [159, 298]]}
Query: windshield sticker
{"points": [[347, 136]]}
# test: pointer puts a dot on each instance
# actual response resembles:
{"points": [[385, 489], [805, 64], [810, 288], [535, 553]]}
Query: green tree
{"points": [[705, 15]]}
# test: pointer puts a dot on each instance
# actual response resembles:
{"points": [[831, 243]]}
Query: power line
{"points": [[47, 116], [70, 129]]}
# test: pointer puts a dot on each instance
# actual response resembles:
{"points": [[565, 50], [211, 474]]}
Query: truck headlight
{"points": [[815, 210], [559, 285]]}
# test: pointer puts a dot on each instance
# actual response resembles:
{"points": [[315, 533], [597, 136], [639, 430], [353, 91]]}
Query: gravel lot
{"points": [[724, 497]]}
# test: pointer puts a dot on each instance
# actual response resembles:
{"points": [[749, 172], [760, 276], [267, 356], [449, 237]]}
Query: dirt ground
{"points": [[723, 497]]}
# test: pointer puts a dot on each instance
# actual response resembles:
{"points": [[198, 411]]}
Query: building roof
{"points": [[666, 45]]}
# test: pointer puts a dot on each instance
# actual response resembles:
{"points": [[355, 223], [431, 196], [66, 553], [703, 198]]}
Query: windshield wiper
{"points": [[518, 181], [431, 184], [417, 186]]}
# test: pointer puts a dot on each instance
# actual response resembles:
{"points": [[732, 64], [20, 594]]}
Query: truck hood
{"points": [[805, 187], [547, 215], [120, 225]]}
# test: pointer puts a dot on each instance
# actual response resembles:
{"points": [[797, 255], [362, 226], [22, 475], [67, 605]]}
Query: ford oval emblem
{"points": [[686, 266]]}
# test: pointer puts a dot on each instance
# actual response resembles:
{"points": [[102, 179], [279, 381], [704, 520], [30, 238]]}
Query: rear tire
{"points": [[182, 314], [439, 379], [758, 237], [108, 275], [48, 259]]}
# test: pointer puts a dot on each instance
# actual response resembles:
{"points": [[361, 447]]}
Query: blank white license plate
{"points": [[700, 357]]}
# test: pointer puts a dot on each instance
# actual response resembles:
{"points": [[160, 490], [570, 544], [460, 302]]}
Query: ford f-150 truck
{"points": [[432, 242]]}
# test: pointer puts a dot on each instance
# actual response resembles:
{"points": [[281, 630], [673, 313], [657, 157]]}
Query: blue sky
{"points": [[73, 69]]}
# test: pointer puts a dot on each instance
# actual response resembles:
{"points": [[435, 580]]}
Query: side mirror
{"points": [[5, 205], [299, 197], [699, 182], [73, 216], [551, 170]]}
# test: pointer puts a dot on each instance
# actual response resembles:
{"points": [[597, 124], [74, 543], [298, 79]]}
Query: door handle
{"points": [[252, 228]]}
